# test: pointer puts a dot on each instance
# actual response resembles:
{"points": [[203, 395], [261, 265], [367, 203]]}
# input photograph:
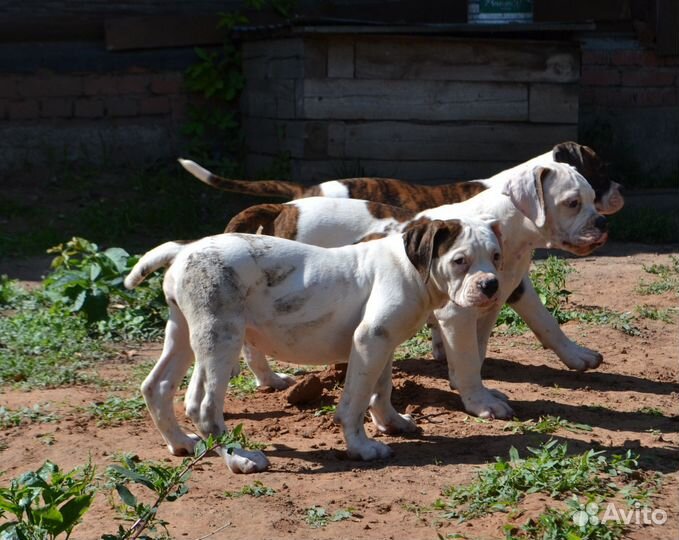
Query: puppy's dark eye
{"points": [[459, 261], [573, 204]]}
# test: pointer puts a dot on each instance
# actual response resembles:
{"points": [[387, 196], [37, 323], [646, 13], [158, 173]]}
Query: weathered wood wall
{"points": [[413, 107]]}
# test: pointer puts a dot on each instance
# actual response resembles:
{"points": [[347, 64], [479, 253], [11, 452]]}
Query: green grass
{"points": [[256, 489], [318, 517], [544, 425], [667, 278], [418, 346], [547, 469], [138, 208], [36, 414], [43, 347], [656, 314], [115, 410]]}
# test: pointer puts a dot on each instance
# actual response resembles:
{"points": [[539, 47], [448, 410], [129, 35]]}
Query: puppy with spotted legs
{"points": [[329, 221], [305, 304]]}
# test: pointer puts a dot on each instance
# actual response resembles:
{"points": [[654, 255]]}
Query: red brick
{"points": [[599, 76], [133, 84], [179, 106], [155, 105], [595, 57], [100, 85], [8, 86], [50, 85], [656, 97], [171, 83], [56, 108], [26, 109], [122, 106], [647, 77], [634, 58], [89, 108]]}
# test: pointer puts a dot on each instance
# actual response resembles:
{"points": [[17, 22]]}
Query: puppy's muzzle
{"points": [[601, 223], [488, 286]]}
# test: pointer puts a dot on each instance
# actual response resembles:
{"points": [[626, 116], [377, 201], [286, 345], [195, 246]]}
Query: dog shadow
{"points": [[423, 450]]}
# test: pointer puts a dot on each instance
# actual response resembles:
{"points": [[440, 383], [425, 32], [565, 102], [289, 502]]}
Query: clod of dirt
{"points": [[305, 391], [333, 375]]}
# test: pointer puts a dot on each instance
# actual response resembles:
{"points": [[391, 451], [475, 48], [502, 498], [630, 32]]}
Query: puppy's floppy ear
{"points": [[568, 152], [425, 240], [526, 193]]}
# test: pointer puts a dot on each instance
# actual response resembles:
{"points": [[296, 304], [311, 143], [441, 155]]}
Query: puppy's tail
{"points": [[259, 188], [158, 257]]}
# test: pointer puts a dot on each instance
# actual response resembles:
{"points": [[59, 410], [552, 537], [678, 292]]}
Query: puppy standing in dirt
{"points": [[538, 207], [305, 304]]}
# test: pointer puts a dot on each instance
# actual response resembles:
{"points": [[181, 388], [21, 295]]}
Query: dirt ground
{"points": [[392, 499]]}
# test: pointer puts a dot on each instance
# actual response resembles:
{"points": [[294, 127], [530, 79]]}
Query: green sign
{"points": [[505, 6]]}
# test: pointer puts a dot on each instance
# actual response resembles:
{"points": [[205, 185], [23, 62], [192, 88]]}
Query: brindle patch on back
{"points": [[285, 225], [386, 211], [254, 217], [372, 236]]}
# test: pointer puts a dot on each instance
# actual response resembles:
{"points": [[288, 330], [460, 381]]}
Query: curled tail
{"points": [[158, 257], [260, 188]]}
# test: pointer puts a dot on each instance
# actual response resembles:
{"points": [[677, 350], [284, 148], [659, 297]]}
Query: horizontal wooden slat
{"points": [[466, 60], [269, 98], [351, 99], [555, 103], [408, 141], [301, 139]]}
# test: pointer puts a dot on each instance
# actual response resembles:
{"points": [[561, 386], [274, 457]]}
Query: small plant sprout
{"points": [[318, 517]]}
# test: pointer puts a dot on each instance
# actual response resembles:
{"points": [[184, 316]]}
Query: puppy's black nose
{"points": [[601, 223], [488, 287]]}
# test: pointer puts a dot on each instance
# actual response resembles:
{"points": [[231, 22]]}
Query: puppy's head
{"points": [[560, 203], [608, 197], [461, 258]]}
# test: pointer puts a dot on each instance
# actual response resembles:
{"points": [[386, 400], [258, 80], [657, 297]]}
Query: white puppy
{"points": [[305, 304], [537, 207]]}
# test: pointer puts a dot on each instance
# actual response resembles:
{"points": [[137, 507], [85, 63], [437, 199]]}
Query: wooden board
{"points": [[554, 103], [351, 99], [408, 141], [466, 60]]}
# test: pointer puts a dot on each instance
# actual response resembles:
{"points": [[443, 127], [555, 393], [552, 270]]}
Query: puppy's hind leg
{"points": [[162, 382], [264, 375], [217, 345], [382, 412]]}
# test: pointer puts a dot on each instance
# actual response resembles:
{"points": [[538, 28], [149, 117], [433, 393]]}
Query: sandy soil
{"points": [[392, 499]]}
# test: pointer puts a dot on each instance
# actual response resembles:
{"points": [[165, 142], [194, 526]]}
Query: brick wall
{"points": [[629, 108], [67, 101], [53, 96]]}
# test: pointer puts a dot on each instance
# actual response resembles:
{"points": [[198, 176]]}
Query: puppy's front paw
{"points": [[242, 461], [370, 450], [185, 446], [278, 381], [398, 423], [580, 358], [485, 404]]}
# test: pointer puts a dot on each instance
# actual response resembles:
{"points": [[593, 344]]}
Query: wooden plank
{"points": [[160, 31], [274, 59], [341, 58], [271, 98], [351, 99], [667, 28], [554, 103], [391, 11], [409, 141], [581, 10], [308, 140], [466, 60]]}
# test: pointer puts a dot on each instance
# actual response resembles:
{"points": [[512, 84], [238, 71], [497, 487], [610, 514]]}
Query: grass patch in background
{"points": [[644, 225]]}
